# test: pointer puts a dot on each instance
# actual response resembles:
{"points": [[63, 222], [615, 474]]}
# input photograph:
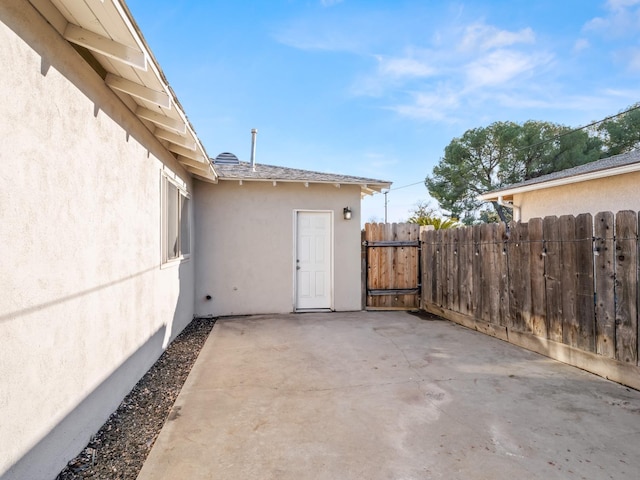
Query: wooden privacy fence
{"points": [[566, 287], [391, 255]]}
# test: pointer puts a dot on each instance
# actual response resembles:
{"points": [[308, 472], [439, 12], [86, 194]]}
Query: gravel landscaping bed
{"points": [[119, 449]]}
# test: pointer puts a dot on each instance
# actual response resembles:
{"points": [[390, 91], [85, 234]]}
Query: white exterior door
{"points": [[314, 278]]}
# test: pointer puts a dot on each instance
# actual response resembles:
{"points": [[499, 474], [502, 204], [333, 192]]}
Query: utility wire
{"points": [[542, 142], [398, 188], [584, 127]]}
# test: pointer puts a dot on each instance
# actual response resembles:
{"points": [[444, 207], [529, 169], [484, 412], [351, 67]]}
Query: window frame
{"points": [[177, 218]]}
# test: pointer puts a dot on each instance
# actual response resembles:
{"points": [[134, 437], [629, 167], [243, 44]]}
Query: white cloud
{"points": [[630, 57], [486, 37], [621, 4], [617, 28], [404, 67], [393, 73], [630, 95], [622, 20], [430, 106], [330, 3], [442, 72], [581, 44], [501, 67]]}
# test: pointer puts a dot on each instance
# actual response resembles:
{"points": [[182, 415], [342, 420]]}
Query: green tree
{"points": [[544, 147], [476, 162], [622, 133], [424, 215], [503, 153]]}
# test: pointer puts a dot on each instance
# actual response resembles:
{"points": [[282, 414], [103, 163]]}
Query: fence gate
{"points": [[391, 270]]}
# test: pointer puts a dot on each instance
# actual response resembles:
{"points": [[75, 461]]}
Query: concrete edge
{"points": [[609, 368]]}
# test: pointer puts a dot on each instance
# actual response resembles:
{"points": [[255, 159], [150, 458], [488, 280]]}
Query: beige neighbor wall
{"points": [[85, 308], [245, 241], [621, 192]]}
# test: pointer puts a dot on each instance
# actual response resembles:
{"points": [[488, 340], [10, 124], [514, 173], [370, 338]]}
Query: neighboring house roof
{"points": [[606, 167], [106, 35], [243, 171]]}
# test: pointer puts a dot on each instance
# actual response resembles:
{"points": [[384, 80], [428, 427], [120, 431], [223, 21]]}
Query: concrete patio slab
{"points": [[373, 395]]}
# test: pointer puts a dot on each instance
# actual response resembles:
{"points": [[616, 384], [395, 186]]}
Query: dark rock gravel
{"points": [[120, 447]]}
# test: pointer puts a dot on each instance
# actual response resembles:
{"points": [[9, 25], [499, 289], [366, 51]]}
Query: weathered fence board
{"points": [[553, 273], [465, 257], [626, 287], [519, 278], [502, 273], [487, 272], [605, 290], [568, 280], [477, 292], [428, 249], [538, 290], [454, 270], [444, 272], [585, 289], [439, 269]]}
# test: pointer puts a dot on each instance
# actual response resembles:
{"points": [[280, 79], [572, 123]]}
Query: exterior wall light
{"points": [[346, 211]]}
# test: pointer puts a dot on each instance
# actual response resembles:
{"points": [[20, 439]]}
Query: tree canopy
{"points": [[504, 153], [622, 133]]}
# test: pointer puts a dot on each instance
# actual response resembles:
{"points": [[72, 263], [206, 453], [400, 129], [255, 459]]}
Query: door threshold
{"points": [[312, 310]]}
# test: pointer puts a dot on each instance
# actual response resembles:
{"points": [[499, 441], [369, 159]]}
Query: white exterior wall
{"points": [[245, 245], [85, 308], [620, 192]]}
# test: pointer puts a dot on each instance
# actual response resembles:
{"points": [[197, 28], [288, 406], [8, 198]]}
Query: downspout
{"points": [[254, 132], [511, 206], [501, 203]]}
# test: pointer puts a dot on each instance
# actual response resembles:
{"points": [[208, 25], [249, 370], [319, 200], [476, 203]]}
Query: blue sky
{"points": [[379, 88]]}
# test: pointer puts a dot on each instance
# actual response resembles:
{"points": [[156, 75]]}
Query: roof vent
{"points": [[226, 158]]}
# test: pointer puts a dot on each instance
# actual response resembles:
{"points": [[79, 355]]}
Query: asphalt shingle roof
{"points": [[604, 164], [243, 171]]}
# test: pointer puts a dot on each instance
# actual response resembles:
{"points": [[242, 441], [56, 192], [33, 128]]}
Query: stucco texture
{"points": [[85, 308], [613, 194], [245, 240]]}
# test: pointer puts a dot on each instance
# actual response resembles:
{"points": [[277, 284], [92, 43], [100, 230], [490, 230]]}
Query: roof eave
{"points": [[508, 193], [365, 188], [170, 131]]}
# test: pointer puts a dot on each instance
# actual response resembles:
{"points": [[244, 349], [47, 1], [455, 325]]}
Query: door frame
{"points": [[296, 211]]}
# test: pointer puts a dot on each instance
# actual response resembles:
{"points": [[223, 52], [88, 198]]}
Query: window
{"points": [[176, 242]]}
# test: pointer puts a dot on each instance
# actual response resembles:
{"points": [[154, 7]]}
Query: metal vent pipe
{"points": [[254, 132]]}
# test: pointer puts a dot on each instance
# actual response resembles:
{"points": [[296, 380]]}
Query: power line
{"points": [[386, 200], [560, 135], [542, 142], [398, 188], [405, 186]]}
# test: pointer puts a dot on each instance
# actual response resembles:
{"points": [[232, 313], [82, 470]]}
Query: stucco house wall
{"points": [[247, 232], [86, 307], [619, 192]]}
